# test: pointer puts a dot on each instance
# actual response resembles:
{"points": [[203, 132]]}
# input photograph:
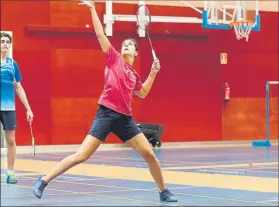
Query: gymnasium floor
{"points": [[222, 174]]}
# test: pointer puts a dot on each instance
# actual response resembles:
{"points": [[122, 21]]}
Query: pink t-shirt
{"points": [[121, 81]]}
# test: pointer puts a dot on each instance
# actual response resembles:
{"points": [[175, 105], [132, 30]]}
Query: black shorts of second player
{"points": [[8, 120], [108, 120]]}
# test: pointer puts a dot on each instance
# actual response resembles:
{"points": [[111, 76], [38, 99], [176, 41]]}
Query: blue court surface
{"points": [[205, 175]]}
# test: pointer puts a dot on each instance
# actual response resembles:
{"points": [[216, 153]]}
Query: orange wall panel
{"points": [[245, 119], [71, 118], [65, 13], [77, 72], [34, 67]]}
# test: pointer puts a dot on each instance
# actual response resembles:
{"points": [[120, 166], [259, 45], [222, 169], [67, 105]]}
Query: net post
{"points": [[108, 18], [267, 111], [266, 142]]}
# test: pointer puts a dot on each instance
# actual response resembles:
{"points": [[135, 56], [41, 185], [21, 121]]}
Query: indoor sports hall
{"points": [[214, 102]]}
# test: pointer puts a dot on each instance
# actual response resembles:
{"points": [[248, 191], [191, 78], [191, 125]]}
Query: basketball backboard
{"points": [[242, 16], [220, 14]]}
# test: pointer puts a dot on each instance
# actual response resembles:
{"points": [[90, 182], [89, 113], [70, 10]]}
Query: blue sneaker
{"points": [[11, 178], [39, 187], [167, 196]]}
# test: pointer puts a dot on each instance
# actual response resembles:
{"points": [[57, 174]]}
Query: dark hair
{"points": [[4, 34], [135, 43]]}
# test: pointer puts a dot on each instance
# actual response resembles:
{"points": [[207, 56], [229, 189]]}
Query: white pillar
{"points": [[108, 18]]}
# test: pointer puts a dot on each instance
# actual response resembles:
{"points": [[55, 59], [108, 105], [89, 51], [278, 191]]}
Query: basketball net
{"points": [[242, 28]]}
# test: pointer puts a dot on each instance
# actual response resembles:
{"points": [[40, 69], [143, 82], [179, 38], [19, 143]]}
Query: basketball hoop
{"points": [[242, 28]]}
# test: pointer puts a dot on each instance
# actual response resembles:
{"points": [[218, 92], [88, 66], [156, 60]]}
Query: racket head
{"points": [[143, 17]]}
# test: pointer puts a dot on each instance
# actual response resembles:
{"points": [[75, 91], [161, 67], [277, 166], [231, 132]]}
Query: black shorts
{"points": [[8, 120], [109, 121]]}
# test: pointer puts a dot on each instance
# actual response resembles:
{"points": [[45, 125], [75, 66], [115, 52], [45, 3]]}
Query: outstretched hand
{"points": [[89, 4]]}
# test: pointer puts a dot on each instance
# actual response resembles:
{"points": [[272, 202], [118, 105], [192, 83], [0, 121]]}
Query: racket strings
{"points": [[143, 21], [143, 17]]}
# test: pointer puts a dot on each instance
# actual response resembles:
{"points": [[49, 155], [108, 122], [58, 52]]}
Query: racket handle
{"points": [[154, 55]]}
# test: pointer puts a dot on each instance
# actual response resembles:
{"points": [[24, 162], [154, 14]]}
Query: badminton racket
{"points": [[33, 139], [143, 21]]}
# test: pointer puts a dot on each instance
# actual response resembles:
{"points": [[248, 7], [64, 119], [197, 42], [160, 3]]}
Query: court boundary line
{"points": [[218, 198], [137, 200], [173, 177], [135, 189], [100, 185], [100, 195], [250, 170], [220, 166], [122, 147]]}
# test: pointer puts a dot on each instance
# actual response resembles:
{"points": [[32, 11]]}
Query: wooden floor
{"points": [[198, 173]]}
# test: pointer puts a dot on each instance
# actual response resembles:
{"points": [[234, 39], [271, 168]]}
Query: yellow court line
{"points": [[249, 183], [220, 166], [100, 195]]}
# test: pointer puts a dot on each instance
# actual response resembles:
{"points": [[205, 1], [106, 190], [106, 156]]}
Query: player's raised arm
{"points": [[98, 27]]}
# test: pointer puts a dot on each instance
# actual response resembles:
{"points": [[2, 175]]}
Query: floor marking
{"points": [[250, 183], [220, 166], [100, 195], [22, 174], [31, 195], [217, 198], [251, 170]]}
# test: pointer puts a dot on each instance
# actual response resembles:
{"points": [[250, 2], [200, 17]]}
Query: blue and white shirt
{"points": [[10, 73]]}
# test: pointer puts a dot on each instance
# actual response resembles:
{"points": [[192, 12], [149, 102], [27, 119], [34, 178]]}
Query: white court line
{"points": [[218, 198], [247, 170], [112, 159], [232, 166], [65, 178], [106, 196], [79, 178], [31, 195], [110, 186], [145, 190], [215, 171], [163, 162], [269, 200], [87, 179], [267, 167], [91, 179]]}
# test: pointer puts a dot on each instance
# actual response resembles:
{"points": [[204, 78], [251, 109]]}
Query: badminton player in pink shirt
{"points": [[114, 114]]}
